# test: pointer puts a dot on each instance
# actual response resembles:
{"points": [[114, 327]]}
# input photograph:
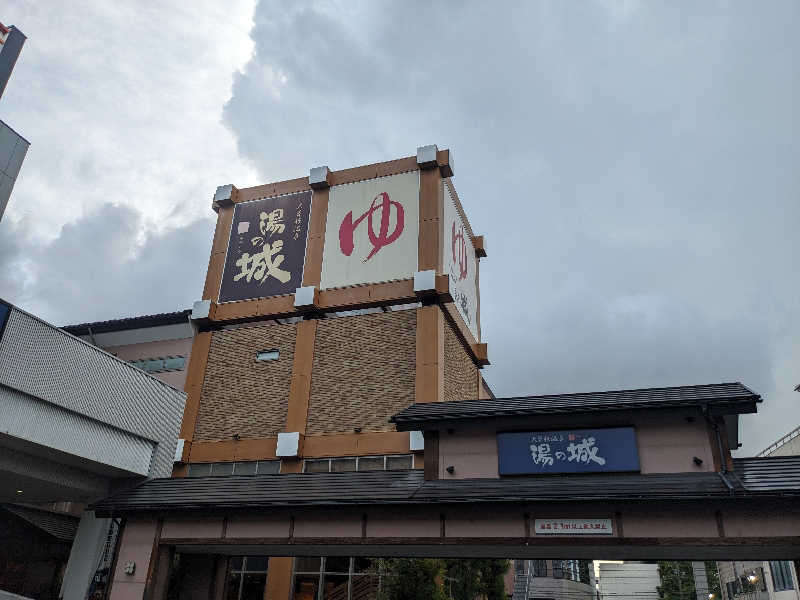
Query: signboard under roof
{"points": [[567, 451], [267, 247], [372, 230]]}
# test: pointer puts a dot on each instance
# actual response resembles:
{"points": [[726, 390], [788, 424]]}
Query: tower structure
{"points": [[332, 302]]}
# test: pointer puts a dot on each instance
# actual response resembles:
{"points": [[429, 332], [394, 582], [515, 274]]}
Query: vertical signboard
{"points": [[371, 231], [460, 264], [567, 451], [267, 247]]}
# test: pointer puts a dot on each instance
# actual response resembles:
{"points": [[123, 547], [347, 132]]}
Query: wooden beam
{"points": [[429, 384], [195, 374], [300, 389]]}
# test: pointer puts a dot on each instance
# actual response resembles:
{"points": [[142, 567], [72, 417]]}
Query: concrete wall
{"points": [[13, 148], [666, 444], [85, 556]]}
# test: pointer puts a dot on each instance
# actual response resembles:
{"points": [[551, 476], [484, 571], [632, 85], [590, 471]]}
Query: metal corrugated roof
{"points": [[59, 525], [768, 474], [170, 318], [665, 397], [405, 487]]}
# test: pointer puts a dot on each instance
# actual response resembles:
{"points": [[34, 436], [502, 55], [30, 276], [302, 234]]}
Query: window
{"points": [[247, 577], [269, 467], [358, 463], [539, 568], [159, 365], [338, 577], [781, 575], [267, 355], [222, 469], [174, 363]]}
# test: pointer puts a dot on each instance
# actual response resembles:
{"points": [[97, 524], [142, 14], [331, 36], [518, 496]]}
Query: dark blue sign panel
{"points": [[568, 451], [5, 310]]}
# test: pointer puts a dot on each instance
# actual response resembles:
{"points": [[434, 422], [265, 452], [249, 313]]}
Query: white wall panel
{"points": [[52, 365]]}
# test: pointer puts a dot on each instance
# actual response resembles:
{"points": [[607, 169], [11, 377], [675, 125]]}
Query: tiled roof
{"points": [[170, 318], [408, 487], [768, 474], [730, 397]]}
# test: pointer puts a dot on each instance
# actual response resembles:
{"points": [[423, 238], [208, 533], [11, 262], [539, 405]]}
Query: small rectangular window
{"points": [[221, 469], [199, 469], [398, 463], [267, 355], [781, 575], [245, 468], [343, 465], [154, 364], [370, 463], [317, 466], [175, 363], [269, 467]]}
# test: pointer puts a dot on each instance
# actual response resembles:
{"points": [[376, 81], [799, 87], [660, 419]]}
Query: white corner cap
{"points": [[426, 155], [304, 296], [223, 193], [201, 309], [318, 176], [424, 281], [417, 441], [179, 450], [288, 444]]}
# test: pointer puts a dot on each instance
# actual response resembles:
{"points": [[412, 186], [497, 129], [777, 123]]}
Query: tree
{"points": [[677, 580], [712, 574], [412, 579]]}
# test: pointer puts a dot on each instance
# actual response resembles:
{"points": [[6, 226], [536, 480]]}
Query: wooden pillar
{"points": [[300, 389], [279, 578], [312, 272], [431, 217], [216, 262], [430, 355], [196, 371]]}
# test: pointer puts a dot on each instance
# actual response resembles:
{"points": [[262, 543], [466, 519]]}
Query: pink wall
{"points": [[181, 347], [667, 444], [136, 546]]}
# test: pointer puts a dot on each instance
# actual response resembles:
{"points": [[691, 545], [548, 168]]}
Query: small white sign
{"points": [[573, 527]]}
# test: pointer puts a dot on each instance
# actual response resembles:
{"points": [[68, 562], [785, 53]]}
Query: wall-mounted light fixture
{"points": [[451, 469], [697, 460]]}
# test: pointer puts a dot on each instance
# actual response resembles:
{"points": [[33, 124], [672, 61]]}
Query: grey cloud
{"points": [[633, 171], [105, 265]]}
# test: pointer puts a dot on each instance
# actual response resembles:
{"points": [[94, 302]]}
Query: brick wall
{"points": [[363, 373], [460, 373], [242, 396]]}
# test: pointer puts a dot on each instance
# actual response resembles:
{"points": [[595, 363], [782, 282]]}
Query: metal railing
{"points": [[784, 440]]}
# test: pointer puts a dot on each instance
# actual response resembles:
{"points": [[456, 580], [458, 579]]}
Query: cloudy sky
{"points": [[633, 166]]}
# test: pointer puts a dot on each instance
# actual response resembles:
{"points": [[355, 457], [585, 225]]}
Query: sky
{"points": [[633, 166]]}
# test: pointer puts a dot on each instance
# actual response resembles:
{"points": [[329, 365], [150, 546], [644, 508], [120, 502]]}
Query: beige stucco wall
{"points": [[180, 347]]}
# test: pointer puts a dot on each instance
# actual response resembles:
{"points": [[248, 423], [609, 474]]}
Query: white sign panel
{"points": [[372, 231], [573, 527], [461, 264]]}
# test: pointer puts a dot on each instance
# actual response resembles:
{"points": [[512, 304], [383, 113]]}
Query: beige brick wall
{"points": [[364, 369], [242, 396], [460, 373]]}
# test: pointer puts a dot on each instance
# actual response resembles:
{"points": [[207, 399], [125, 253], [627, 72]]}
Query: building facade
{"points": [[13, 147], [765, 580], [336, 413], [78, 424]]}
